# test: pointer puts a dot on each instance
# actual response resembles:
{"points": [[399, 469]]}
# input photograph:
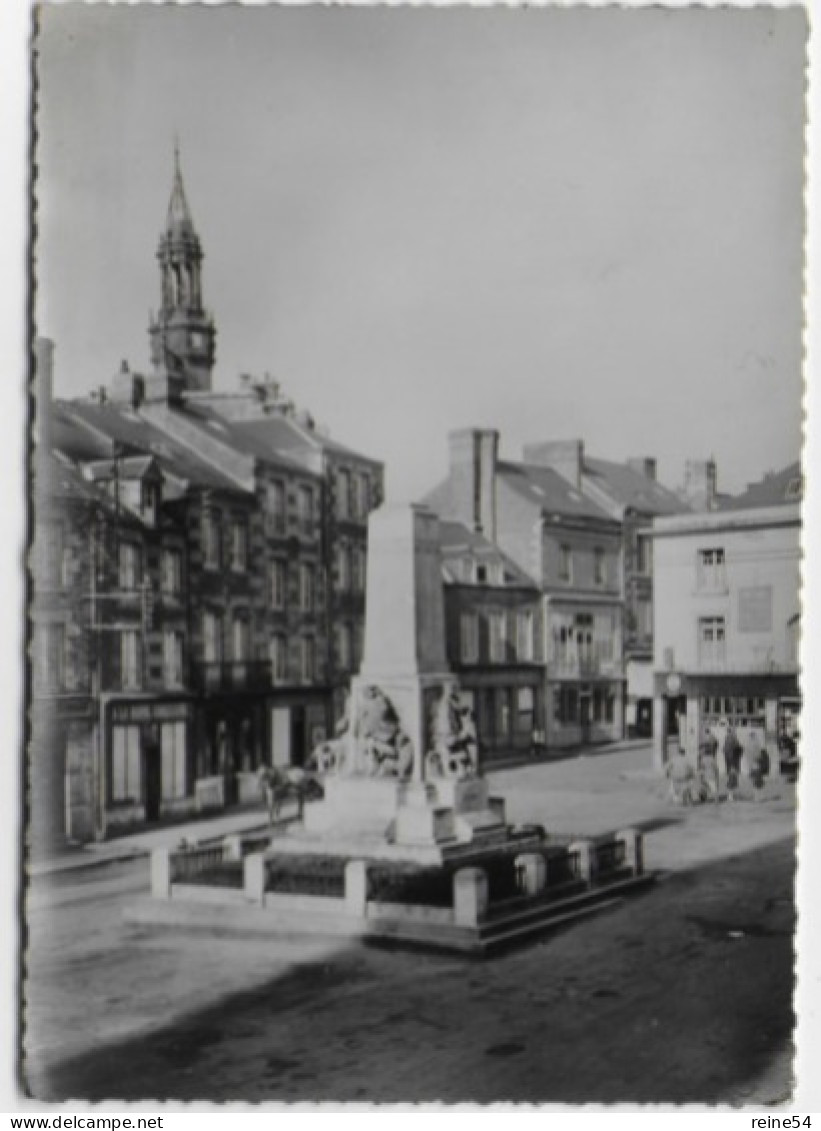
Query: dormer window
{"points": [[480, 574], [794, 488], [149, 502]]}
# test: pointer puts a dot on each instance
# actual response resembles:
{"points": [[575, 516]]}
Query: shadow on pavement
{"points": [[683, 995]]}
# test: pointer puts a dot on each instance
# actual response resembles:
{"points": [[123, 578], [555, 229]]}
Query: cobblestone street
{"points": [[682, 994]]}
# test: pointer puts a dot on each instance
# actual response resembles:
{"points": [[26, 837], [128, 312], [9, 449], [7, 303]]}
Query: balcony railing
{"points": [[238, 675]]}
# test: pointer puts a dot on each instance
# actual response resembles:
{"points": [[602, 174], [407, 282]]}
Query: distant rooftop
{"points": [[775, 489]]}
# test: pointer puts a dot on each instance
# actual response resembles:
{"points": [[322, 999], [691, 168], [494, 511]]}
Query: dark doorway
{"points": [[153, 779], [584, 717], [298, 736]]}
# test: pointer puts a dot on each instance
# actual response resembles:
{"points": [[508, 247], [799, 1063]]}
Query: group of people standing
{"points": [[689, 786]]}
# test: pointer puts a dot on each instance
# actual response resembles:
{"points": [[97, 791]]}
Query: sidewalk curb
{"points": [[99, 855]]}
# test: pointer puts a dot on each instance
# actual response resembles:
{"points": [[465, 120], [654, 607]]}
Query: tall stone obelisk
{"points": [[404, 764]]}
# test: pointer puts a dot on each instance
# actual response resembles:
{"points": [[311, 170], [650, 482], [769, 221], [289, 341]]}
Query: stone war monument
{"points": [[407, 845], [403, 773]]}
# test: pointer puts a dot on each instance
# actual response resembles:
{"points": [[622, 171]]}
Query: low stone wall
{"points": [[552, 873]]}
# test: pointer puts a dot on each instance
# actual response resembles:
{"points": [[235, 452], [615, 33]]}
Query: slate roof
{"points": [[275, 436], [135, 435], [627, 486], [550, 491], [775, 489], [261, 439]]}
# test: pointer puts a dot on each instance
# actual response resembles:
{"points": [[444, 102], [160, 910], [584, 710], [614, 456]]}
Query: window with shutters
{"points": [[277, 652], [711, 574], [128, 566], [130, 660], [172, 647], [171, 572], [211, 638], [278, 579]]}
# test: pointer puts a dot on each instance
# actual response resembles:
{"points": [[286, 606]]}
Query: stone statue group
{"points": [[376, 745]]}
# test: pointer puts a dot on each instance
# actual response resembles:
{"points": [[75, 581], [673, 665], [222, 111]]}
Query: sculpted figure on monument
{"points": [[454, 751], [331, 756], [383, 748]]}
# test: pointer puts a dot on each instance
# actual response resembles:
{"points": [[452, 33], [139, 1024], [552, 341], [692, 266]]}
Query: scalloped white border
{"points": [[15, 27]]}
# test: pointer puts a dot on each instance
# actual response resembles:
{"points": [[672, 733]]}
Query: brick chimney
{"points": [[44, 391], [473, 457], [564, 456], [700, 483], [644, 465]]}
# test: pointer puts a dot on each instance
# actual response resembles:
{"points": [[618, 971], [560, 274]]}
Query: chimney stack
{"points": [[700, 483], [473, 458], [644, 465], [564, 456]]}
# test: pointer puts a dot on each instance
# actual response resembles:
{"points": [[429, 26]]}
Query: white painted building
{"points": [[726, 620]]}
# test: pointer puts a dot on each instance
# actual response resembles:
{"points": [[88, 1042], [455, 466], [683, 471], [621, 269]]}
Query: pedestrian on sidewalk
{"points": [[684, 786], [708, 764], [732, 761], [759, 762]]}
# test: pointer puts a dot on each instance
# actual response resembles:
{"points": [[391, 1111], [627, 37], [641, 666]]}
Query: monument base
{"points": [[354, 804]]}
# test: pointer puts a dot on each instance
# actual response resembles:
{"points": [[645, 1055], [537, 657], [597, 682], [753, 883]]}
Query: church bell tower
{"points": [[183, 336]]}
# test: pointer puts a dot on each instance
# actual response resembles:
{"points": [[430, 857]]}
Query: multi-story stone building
{"points": [[570, 548], [727, 617], [631, 495], [494, 642], [225, 580]]}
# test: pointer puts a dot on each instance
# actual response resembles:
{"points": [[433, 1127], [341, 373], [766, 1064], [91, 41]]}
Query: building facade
{"points": [[569, 548], [727, 619], [220, 542], [632, 496], [494, 642]]}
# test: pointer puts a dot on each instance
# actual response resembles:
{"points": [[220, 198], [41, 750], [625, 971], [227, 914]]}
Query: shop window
{"points": [[126, 776], [525, 710], [173, 759]]}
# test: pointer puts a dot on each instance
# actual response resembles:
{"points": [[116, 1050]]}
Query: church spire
{"points": [[183, 334], [179, 220]]}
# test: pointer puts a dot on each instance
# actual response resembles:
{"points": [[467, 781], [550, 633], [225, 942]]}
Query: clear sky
{"points": [[558, 222]]}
